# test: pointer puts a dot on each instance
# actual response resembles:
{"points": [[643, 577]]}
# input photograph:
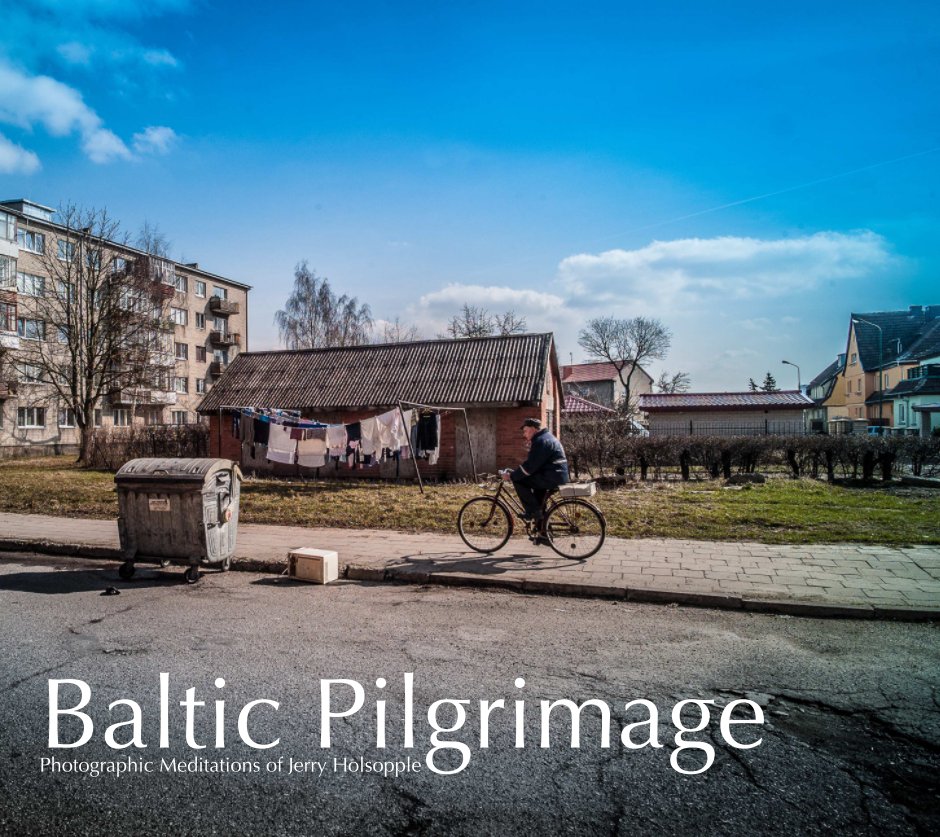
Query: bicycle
{"points": [[574, 527]]}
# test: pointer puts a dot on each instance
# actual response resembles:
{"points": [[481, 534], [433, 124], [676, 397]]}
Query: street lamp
{"points": [[881, 359], [799, 386]]}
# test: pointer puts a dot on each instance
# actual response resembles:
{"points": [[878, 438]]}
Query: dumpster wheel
{"points": [[191, 575], [126, 570]]}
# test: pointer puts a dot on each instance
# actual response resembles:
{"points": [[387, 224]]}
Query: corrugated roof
{"points": [[580, 373], [577, 404], [783, 400], [476, 371]]}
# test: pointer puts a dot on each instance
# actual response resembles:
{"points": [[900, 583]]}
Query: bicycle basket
{"points": [[578, 489]]}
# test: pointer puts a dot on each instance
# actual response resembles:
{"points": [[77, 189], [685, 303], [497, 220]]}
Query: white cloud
{"points": [[157, 139], [159, 58], [454, 295], [15, 159], [26, 101], [731, 267]]}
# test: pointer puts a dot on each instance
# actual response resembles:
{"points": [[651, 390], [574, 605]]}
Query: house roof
{"points": [[827, 378], [691, 401], [577, 405], [927, 345], [928, 385], [900, 329], [475, 371], [580, 373]]}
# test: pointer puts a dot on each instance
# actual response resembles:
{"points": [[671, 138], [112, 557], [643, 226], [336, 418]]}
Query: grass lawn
{"points": [[780, 511]]}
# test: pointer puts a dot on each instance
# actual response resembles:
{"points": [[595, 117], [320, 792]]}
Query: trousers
{"points": [[532, 491]]}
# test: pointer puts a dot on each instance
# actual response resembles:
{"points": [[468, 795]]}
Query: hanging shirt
{"points": [[391, 432], [281, 448], [428, 431], [262, 431]]}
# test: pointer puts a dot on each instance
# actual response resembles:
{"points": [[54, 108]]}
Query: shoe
{"points": [[541, 540]]}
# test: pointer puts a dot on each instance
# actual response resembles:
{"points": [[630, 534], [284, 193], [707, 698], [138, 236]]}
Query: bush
{"points": [[111, 447]]}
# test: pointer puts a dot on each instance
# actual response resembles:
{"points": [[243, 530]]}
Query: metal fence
{"points": [[766, 427]]}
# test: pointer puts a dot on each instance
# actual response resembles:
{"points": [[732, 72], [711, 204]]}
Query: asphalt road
{"points": [[850, 742]]}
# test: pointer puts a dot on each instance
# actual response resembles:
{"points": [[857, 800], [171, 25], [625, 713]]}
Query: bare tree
{"points": [[475, 321], [397, 332], [151, 240], [97, 319], [315, 318], [626, 344], [677, 382]]}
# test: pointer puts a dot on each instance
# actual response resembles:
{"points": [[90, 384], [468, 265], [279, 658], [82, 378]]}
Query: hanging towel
{"points": [[281, 448], [369, 443], [262, 431], [336, 439], [311, 451]]}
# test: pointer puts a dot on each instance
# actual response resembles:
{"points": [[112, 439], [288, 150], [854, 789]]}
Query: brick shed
{"points": [[499, 380]]}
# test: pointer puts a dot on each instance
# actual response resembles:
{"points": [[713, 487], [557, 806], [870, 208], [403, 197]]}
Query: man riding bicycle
{"points": [[545, 468]]}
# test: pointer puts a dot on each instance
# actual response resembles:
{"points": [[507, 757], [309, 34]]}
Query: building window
{"points": [[7, 226], [902, 413], [854, 360], [30, 416], [121, 416], [201, 354], [182, 351], [220, 356], [179, 316], [30, 329], [34, 242], [7, 316], [66, 250], [99, 417], [201, 321], [221, 293], [30, 285], [200, 288], [200, 385], [7, 271], [66, 417], [220, 324], [858, 386], [179, 417], [181, 384], [118, 264], [180, 283], [153, 416], [28, 373]]}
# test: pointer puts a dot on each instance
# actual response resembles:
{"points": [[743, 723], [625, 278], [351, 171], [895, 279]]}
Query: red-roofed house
{"points": [[725, 413], [600, 383]]}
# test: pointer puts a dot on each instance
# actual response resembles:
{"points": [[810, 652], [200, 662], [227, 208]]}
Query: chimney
{"points": [[193, 265]]}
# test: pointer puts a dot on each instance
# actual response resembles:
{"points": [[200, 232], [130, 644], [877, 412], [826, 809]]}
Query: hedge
{"points": [[606, 448], [111, 447]]}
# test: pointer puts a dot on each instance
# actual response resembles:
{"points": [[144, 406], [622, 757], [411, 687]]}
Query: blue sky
{"points": [[748, 176]]}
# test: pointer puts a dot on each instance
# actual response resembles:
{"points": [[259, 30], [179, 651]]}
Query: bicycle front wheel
{"points": [[484, 524], [575, 529]]}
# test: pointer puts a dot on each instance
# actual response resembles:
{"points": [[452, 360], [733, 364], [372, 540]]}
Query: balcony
{"points": [[216, 368], [225, 338], [9, 340], [133, 395], [222, 307], [7, 389]]}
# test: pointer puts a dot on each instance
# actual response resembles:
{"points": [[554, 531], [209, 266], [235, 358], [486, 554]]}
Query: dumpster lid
{"points": [[161, 468]]}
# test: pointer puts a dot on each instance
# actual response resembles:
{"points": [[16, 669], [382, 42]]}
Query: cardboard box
{"points": [[319, 566]]}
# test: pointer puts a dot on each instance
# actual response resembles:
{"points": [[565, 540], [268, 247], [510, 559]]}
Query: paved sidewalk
{"points": [[827, 580]]}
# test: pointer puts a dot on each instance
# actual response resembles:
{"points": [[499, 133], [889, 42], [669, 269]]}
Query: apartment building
{"points": [[205, 326]]}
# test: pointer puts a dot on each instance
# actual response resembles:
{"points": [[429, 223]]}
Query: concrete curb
{"points": [[646, 595]]}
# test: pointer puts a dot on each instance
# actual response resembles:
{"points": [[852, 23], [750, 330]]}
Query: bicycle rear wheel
{"points": [[575, 529], [484, 524]]}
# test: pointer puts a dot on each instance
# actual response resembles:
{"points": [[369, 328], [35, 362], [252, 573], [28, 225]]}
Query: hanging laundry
{"points": [[311, 450], [369, 444], [281, 448], [262, 431], [336, 439]]}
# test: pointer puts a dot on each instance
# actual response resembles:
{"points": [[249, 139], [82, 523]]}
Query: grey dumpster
{"points": [[178, 510]]}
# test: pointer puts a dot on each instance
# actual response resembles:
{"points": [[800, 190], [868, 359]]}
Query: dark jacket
{"points": [[546, 458]]}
